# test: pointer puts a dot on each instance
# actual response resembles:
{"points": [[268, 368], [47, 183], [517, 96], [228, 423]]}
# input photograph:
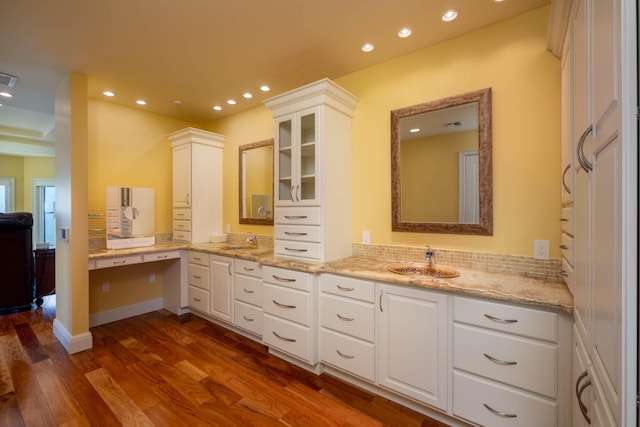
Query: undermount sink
{"points": [[417, 269]]}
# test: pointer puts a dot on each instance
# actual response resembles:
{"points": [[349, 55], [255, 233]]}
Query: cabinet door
{"points": [[222, 287], [307, 157], [182, 176], [284, 160], [412, 343], [567, 121]]}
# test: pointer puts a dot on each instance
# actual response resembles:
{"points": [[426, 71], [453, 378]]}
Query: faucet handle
{"points": [[429, 255]]}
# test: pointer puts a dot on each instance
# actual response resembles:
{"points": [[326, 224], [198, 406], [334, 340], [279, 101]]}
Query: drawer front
{"points": [[506, 318], [302, 233], [199, 299], [248, 317], [567, 220], [160, 256], [249, 268], [567, 247], [298, 216], [523, 363], [287, 303], [199, 276], [290, 248], [510, 407], [248, 289], [183, 214], [348, 354], [119, 261], [351, 317], [289, 278], [179, 225], [182, 236], [567, 274], [348, 287], [199, 258], [289, 337]]}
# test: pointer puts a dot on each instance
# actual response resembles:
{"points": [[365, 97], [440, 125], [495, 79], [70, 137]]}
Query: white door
{"points": [[182, 176], [222, 287]]}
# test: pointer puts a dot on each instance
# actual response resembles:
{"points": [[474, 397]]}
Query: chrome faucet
{"points": [[252, 239], [430, 256]]}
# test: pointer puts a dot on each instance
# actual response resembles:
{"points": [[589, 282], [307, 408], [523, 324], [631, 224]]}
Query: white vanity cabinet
{"points": [[509, 366], [198, 281], [248, 295], [290, 313], [412, 343], [312, 196], [347, 321], [197, 184], [221, 306]]}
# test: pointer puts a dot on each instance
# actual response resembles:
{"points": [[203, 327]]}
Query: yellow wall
{"points": [[13, 167], [36, 167]]}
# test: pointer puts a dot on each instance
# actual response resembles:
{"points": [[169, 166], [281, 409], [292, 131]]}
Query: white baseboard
{"points": [[97, 319], [73, 344]]}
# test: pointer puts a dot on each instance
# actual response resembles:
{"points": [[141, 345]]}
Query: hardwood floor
{"points": [[159, 369]]}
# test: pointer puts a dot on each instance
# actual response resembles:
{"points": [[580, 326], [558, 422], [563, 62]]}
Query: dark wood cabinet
{"points": [[45, 273]]}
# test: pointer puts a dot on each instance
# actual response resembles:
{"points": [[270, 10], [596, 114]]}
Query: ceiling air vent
{"points": [[7, 80]]}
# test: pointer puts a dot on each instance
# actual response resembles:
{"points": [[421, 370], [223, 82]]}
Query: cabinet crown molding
{"points": [[194, 135]]}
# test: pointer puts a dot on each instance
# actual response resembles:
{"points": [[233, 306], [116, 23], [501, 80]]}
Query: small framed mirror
{"points": [[441, 166], [256, 183]]}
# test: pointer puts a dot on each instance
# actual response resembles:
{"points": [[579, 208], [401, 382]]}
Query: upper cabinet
{"points": [[312, 172], [197, 184]]}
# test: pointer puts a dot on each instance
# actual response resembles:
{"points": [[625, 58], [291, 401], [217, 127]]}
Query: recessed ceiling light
{"points": [[141, 102], [247, 95], [404, 32], [108, 93], [231, 102], [177, 102], [367, 47], [414, 130], [217, 107], [6, 94], [449, 15], [265, 88]]}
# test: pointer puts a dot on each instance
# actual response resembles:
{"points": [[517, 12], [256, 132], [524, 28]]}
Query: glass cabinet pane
{"points": [[308, 157], [285, 158]]}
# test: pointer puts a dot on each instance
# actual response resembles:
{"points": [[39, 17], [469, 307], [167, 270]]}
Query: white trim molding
{"points": [[73, 344]]}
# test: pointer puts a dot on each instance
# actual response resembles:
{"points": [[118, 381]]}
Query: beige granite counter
{"points": [[159, 247]]}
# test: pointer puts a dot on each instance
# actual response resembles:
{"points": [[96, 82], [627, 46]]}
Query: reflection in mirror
{"points": [[441, 166], [130, 217], [256, 183]]}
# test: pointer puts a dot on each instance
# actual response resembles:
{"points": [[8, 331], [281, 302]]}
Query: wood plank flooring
{"points": [[159, 369]]}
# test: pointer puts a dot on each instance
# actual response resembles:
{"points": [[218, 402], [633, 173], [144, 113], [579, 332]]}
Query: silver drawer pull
{"points": [[564, 220], [195, 276], [291, 233], [124, 261], [563, 247], [346, 319], [197, 258], [247, 291], [564, 273], [295, 250], [282, 279], [247, 268], [162, 256], [498, 413], [295, 216], [246, 318], [498, 320], [346, 356], [342, 288], [498, 361], [196, 299], [282, 305], [283, 338]]}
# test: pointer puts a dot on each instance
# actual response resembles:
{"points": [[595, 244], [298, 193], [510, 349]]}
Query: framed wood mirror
{"points": [[256, 183], [441, 165]]}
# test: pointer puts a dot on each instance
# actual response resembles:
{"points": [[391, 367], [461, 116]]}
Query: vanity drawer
{"points": [[160, 256], [506, 318], [199, 299], [287, 303], [351, 317], [567, 247], [249, 268], [199, 276], [567, 274], [182, 236], [289, 278], [119, 261], [298, 216], [471, 394], [248, 289], [179, 225], [348, 354], [312, 251], [302, 233], [348, 287], [199, 258], [183, 214], [567, 220], [289, 337], [248, 317], [520, 362]]}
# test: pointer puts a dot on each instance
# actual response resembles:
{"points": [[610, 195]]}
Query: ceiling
{"points": [[185, 56]]}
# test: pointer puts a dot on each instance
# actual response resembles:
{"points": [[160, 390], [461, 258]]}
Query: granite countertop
{"points": [[511, 288]]}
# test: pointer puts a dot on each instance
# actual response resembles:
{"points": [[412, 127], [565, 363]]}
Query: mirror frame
{"points": [[485, 137], [257, 221]]}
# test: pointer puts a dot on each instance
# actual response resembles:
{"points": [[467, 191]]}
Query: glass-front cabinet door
{"points": [[297, 159]]}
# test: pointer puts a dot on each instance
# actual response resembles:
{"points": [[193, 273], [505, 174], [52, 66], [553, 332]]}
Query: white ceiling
{"points": [[203, 52]]}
